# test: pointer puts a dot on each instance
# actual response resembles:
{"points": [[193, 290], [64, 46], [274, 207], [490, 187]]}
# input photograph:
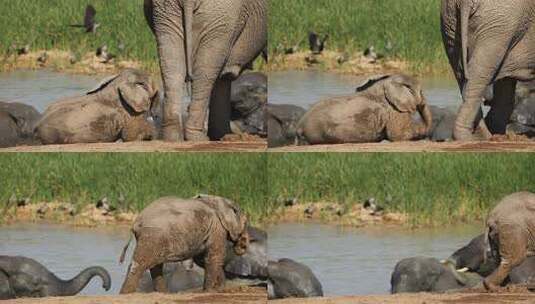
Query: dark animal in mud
{"points": [[249, 101], [173, 230], [282, 122], [290, 279], [381, 109], [17, 121], [118, 109], [24, 277]]}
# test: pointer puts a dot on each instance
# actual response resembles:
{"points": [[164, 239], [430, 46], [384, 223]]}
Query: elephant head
{"points": [[473, 257], [231, 218], [402, 92], [253, 263], [136, 90]]}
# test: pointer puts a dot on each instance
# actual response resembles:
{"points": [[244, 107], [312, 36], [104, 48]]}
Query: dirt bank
{"points": [[418, 146], [149, 146], [242, 295]]}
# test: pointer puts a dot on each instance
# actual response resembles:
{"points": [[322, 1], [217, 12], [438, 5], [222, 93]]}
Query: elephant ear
{"points": [[401, 95], [135, 95], [104, 83], [229, 214], [369, 82]]}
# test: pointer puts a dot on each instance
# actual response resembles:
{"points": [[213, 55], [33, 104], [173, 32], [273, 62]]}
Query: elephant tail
{"points": [[188, 35], [125, 248], [465, 16]]}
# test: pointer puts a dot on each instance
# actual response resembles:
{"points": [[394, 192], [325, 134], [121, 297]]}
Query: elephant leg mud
{"points": [[220, 110], [158, 280], [214, 276]]}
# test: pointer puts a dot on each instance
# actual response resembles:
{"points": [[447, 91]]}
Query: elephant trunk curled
{"points": [[76, 284], [425, 113]]}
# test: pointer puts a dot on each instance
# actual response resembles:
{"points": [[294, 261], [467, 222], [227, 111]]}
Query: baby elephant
{"points": [[382, 108], [117, 109], [173, 229], [24, 277], [510, 235]]}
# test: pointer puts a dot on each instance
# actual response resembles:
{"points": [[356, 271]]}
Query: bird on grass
{"points": [[43, 58], [89, 20], [102, 53], [316, 44]]}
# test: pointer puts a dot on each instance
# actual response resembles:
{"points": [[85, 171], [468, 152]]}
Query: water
{"points": [[66, 251], [357, 261], [41, 87], [304, 88]]}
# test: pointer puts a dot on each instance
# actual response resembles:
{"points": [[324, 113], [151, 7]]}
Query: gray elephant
{"points": [[24, 277], [290, 279], [489, 44], [509, 235], [381, 109], [443, 123], [17, 121], [282, 122], [424, 274], [247, 269], [248, 102], [207, 43], [472, 258], [522, 121], [172, 229], [116, 109]]}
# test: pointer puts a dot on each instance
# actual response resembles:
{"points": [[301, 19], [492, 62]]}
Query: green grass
{"points": [[413, 26], [141, 178], [431, 188], [45, 25]]}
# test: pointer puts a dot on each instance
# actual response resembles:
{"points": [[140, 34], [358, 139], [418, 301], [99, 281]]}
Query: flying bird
{"points": [[89, 20]]}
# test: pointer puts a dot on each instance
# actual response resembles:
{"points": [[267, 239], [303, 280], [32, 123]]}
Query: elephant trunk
{"points": [[240, 247], [425, 113], [76, 284]]}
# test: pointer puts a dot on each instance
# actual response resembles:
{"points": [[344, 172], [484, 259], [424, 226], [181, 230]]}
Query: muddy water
{"points": [[358, 262], [39, 88], [66, 250], [304, 88]]}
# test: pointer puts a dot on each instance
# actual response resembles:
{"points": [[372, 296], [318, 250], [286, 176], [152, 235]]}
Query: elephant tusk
{"points": [[465, 269]]}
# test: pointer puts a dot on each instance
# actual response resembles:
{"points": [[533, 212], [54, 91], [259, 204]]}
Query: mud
{"points": [[421, 298], [352, 215], [419, 146], [149, 146], [237, 295]]}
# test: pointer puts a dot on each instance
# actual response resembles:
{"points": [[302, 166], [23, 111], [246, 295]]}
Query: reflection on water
{"points": [[66, 251], [39, 88], [352, 261], [304, 88]]}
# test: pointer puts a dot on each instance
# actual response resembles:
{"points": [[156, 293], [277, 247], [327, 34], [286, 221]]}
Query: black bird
{"points": [[317, 44], [23, 50], [89, 20]]}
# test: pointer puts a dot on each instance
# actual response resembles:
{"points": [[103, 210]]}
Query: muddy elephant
{"points": [[117, 109], [249, 268], [172, 229], [522, 121], [17, 121], [471, 257], [207, 44], [24, 277], [424, 274], [248, 102], [510, 231], [282, 122], [443, 122], [381, 109], [489, 44], [290, 279]]}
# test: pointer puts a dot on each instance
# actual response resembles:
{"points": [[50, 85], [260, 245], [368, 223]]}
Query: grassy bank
{"points": [[412, 26], [85, 178], [437, 188], [45, 25]]}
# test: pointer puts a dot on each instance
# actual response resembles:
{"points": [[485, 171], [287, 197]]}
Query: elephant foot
{"points": [[490, 286], [463, 134], [172, 134], [196, 136]]}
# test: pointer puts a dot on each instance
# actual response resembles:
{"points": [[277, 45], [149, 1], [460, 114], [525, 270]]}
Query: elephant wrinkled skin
{"points": [[172, 229], [25, 277], [489, 44], [117, 109], [207, 43], [17, 121], [282, 122], [288, 278], [381, 109], [510, 235]]}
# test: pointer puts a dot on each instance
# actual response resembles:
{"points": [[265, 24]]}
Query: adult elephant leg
{"points": [[214, 276], [158, 280], [501, 106], [172, 59], [220, 109]]}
